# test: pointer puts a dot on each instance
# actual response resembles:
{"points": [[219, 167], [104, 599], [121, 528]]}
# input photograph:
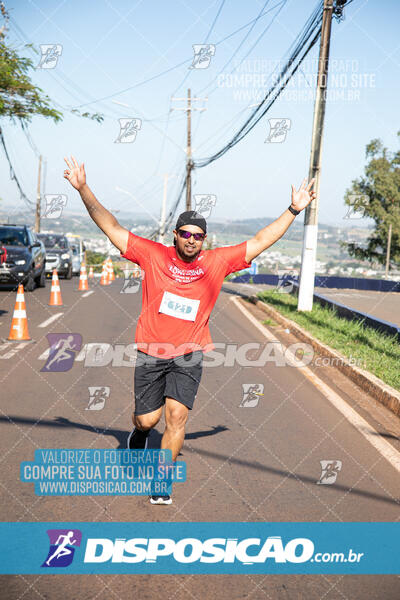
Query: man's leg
{"points": [[176, 415], [149, 384], [138, 438], [148, 420]]}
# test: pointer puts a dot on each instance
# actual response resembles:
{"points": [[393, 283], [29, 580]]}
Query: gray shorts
{"points": [[158, 378]]}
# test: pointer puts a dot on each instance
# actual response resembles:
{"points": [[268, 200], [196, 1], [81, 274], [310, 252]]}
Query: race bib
{"points": [[179, 307]]}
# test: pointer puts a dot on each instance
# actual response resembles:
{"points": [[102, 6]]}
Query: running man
{"points": [[181, 284]]}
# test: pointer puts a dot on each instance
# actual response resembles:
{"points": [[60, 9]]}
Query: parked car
{"points": [[22, 257], [78, 252], [58, 254]]}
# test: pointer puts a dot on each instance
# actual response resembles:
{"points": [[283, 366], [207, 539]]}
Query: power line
{"points": [[30, 139], [167, 70], [173, 210], [305, 42], [239, 46], [282, 4], [214, 22], [73, 89], [306, 39], [13, 176], [205, 42]]}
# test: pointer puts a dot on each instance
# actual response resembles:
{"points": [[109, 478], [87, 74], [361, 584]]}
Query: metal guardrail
{"points": [[328, 281]]}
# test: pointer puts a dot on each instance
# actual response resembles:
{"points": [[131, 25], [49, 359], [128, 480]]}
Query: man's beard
{"points": [[191, 255]]}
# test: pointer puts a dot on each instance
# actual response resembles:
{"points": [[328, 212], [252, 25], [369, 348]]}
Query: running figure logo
{"points": [[329, 471], [132, 283], [54, 205], [202, 55], [50, 55], [62, 547], [204, 204], [357, 204], [97, 397], [286, 281], [278, 129], [63, 347], [251, 394], [128, 130]]}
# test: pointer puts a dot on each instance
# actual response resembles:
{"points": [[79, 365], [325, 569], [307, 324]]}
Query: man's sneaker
{"points": [[137, 440], [161, 499]]}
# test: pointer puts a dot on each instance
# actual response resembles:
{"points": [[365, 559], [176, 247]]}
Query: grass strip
{"points": [[372, 350]]}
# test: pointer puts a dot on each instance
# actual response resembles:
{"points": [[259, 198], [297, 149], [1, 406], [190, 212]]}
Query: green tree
{"points": [[94, 258], [20, 99], [377, 195]]}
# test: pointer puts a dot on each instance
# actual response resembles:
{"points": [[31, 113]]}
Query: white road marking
{"points": [[327, 293], [16, 348], [86, 294], [362, 426], [50, 320], [44, 354]]}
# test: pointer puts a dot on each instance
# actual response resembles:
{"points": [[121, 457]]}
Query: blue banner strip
{"points": [[296, 548]]}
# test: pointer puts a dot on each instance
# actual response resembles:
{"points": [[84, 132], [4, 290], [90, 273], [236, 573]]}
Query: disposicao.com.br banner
{"points": [[331, 548]]}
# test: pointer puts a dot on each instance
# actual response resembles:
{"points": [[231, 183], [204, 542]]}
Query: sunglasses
{"points": [[188, 234]]}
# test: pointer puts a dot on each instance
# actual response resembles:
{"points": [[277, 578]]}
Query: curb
{"points": [[382, 392]]}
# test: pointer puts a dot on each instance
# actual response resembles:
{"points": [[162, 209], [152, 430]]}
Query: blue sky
{"points": [[108, 46]]}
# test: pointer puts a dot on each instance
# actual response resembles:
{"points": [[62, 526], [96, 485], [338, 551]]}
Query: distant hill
{"points": [[80, 222]]}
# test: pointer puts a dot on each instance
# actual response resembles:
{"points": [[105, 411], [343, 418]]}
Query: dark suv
{"points": [[22, 257], [58, 254]]}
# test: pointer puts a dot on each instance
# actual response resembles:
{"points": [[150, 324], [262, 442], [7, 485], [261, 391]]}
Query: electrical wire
{"points": [[211, 29], [302, 46], [140, 83], [305, 42], [13, 176], [30, 139]]}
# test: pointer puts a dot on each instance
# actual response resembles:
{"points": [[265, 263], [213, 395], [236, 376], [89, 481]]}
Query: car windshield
{"points": [[56, 242], [13, 236]]}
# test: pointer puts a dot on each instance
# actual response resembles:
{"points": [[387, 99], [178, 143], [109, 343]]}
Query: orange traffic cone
{"points": [[91, 274], [83, 280], [104, 275], [55, 292], [111, 273], [19, 324]]}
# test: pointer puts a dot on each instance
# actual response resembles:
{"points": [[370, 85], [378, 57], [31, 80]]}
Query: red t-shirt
{"points": [[178, 297]]}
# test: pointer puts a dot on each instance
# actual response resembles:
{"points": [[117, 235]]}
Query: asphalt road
{"points": [[382, 305], [257, 463]]}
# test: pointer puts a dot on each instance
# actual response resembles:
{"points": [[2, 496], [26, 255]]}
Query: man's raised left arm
{"points": [[272, 233]]}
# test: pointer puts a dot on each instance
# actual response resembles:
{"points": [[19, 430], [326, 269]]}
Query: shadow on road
{"points": [[119, 434], [154, 443]]}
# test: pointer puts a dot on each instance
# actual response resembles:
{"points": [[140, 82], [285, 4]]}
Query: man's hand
{"points": [[117, 234], [303, 197], [75, 174], [273, 232]]}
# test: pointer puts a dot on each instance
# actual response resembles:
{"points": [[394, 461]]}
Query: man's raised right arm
{"points": [[117, 234]]}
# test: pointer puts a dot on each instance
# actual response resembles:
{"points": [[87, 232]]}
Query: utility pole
{"points": [[189, 161], [389, 243], [163, 210], [310, 235], [161, 235], [38, 198]]}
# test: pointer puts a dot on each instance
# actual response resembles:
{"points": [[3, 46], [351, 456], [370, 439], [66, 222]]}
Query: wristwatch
{"points": [[294, 211]]}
